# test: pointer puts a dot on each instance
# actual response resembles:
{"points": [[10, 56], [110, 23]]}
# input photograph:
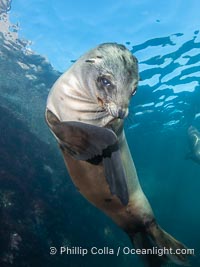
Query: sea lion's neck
{"points": [[75, 89], [69, 102]]}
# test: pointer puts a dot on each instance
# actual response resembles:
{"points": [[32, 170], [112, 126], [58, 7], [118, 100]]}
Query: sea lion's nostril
{"points": [[121, 113]]}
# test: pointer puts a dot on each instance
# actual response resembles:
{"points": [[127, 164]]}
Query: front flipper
{"points": [[87, 142], [115, 176]]}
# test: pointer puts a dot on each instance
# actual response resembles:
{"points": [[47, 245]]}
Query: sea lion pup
{"points": [[194, 140], [85, 111]]}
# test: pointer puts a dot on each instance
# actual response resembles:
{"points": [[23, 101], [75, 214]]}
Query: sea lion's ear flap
{"points": [[94, 60], [90, 60]]}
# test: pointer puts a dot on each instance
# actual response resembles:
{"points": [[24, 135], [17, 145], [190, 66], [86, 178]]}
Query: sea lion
{"points": [[85, 111], [194, 140]]}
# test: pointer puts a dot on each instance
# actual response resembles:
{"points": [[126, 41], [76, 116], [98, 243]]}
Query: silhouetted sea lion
{"points": [[194, 139], [85, 111]]}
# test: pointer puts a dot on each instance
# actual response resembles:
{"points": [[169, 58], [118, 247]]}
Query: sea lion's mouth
{"points": [[113, 110], [100, 102], [117, 113]]}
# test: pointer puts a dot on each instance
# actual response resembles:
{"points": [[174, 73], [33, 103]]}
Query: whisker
{"points": [[98, 111]]}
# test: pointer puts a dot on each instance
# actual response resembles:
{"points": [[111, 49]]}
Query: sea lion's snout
{"points": [[115, 111], [122, 113]]}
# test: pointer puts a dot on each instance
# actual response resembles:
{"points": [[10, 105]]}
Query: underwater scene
{"points": [[40, 207]]}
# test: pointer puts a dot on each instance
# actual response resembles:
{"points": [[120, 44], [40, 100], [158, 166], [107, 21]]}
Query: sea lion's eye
{"points": [[105, 82], [134, 91]]}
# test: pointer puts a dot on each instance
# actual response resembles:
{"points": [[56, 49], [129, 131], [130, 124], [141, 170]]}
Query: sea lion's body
{"points": [[194, 139], [85, 111], [91, 182]]}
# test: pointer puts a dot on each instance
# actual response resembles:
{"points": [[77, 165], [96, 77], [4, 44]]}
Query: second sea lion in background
{"points": [[194, 140]]}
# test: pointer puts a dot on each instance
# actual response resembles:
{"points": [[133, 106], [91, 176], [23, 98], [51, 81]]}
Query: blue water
{"points": [[40, 207]]}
